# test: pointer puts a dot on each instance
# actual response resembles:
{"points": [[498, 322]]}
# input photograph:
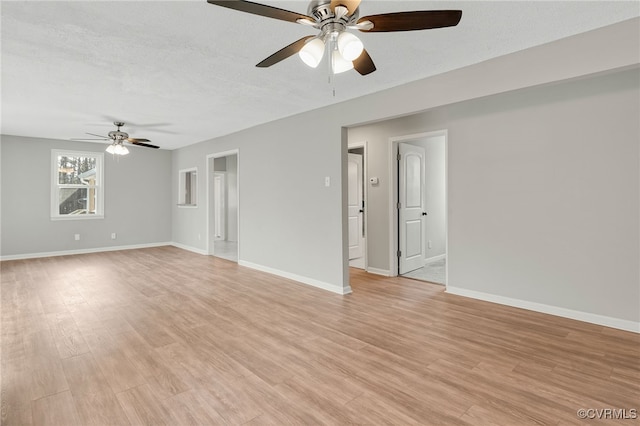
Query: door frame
{"points": [[393, 196], [223, 175], [209, 160], [365, 198]]}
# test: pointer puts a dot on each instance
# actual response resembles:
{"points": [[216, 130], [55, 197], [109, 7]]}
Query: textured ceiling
{"points": [[182, 72]]}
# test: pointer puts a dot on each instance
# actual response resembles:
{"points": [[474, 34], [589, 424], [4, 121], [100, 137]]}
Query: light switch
{"points": [[327, 181]]}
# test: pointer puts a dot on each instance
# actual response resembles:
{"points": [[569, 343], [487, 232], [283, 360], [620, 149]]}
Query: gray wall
{"points": [[543, 193], [220, 164], [232, 197], [290, 222], [137, 203], [550, 178], [544, 182]]}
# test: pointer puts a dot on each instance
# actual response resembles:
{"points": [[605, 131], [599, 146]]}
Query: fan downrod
{"points": [[118, 135]]}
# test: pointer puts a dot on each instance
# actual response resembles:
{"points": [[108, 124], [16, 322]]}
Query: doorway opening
{"points": [[419, 206], [357, 195], [223, 205]]}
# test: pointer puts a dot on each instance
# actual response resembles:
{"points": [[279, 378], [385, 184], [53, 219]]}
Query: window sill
{"points": [[78, 217], [187, 206]]}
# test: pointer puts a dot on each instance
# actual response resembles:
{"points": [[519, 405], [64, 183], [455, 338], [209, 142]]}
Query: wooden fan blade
{"points": [[410, 21], [89, 139], [100, 136], [351, 5], [140, 142], [284, 53], [261, 9], [364, 64]]}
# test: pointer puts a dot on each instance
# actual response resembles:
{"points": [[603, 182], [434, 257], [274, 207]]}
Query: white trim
{"points": [[618, 323], [365, 195], [393, 194], [188, 248], [182, 190], [223, 202], [301, 279], [209, 170], [54, 212], [435, 258], [445, 132], [383, 272], [78, 217], [81, 251]]}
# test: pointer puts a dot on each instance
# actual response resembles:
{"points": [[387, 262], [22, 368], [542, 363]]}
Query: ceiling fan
{"points": [[334, 18], [118, 137]]}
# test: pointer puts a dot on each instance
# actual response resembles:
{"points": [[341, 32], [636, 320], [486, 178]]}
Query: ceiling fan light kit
{"points": [[117, 148], [312, 52], [117, 138], [339, 64], [334, 18], [350, 46]]}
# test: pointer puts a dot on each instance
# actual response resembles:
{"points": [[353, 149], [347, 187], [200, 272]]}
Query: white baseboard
{"points": [[549, 309], [435, 258], [305, 280], [377, 271], [189, 248], [81, 251]]}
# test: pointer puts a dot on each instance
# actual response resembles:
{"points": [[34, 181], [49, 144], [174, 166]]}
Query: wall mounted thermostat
{"points": [[374, 181]]}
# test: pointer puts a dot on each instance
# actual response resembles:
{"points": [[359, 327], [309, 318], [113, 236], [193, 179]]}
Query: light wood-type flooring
{"points": [[164, 336], [434, 272]]}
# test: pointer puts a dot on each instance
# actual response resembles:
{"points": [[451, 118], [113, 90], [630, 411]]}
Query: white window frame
{"points": [[182, 188], [56, 186]]}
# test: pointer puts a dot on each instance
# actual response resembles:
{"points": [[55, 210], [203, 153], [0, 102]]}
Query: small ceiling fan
{"points": [[118, 137], [334, 18]]}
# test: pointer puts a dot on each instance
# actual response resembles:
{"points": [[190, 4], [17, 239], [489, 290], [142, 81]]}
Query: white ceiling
{"points": [[184, 71]]}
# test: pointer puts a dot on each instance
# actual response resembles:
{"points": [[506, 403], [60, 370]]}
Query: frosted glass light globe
{"points": [[312, 52], [340, 64], [350, 46]]}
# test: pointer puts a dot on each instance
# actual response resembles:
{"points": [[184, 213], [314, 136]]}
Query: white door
{"points": [[219, 207], [411, 213], [356, 210]]}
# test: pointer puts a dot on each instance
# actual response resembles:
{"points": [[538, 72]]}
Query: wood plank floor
{"points": [[164, 336]]}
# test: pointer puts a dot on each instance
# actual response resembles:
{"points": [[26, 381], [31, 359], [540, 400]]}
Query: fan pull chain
{"points": [[331, 46]]}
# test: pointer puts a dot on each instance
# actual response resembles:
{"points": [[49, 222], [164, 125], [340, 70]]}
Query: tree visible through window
{"points": [[77, 189]]}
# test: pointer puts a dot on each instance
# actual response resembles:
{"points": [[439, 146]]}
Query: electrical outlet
{"points": [[113, 235], [77, 237], [429, 243], [327, 181]]}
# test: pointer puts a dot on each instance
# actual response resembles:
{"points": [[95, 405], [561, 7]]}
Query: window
{"points": [[77, 185], [188, 188]]}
